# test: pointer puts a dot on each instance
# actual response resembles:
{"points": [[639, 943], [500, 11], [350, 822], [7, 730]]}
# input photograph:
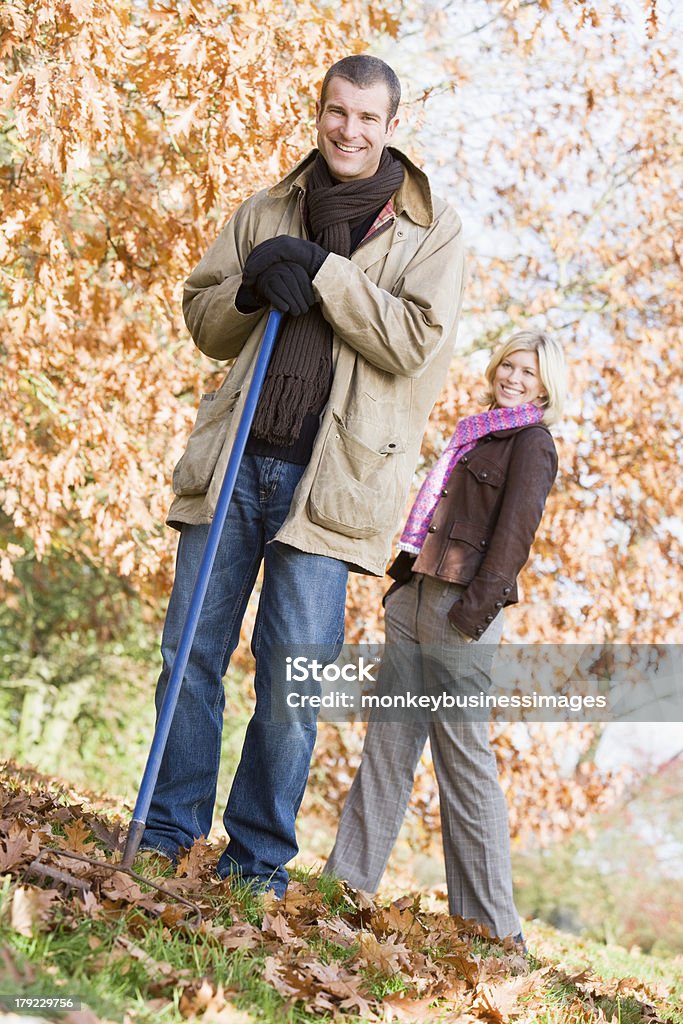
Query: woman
{"points": [[466, 539]]}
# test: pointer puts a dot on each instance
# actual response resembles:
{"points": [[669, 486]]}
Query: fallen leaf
{"points": [[120, 886], [410, 1011], [284, 979], [196, 997], [196, 863], [90, 905], [77, 838], [82, 1016], [19, 846], [240, 936], [31, 908], [276, 924], [301, 902], [228, 1014], [357, 999], [504, 996], [110, 835], [343, 984], [387, 957], [337, 930], [487, 1010]]}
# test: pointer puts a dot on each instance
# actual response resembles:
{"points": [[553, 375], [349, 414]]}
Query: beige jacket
{"points": [[393, 308]]}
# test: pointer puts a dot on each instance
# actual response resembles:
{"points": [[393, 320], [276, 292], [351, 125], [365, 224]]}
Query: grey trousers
{"points": [[429, 654]]}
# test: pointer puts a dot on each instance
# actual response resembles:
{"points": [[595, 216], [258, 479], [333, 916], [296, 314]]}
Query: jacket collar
{"points": [[516, 430], [414, 196]]}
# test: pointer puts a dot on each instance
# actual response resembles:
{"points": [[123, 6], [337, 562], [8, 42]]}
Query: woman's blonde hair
{"points": [[551, 367]]}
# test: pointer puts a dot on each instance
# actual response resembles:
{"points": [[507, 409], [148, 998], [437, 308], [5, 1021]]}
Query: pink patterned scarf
{"points": [[467, 433]]}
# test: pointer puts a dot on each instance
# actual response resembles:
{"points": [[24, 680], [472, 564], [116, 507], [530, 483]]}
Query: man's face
{"points": [[353, 129]]}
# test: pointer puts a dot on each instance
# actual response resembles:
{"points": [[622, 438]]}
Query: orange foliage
{"points": [[131, 130]]}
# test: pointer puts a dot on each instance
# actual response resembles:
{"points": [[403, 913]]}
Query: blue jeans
{"points": [[302, 601]]}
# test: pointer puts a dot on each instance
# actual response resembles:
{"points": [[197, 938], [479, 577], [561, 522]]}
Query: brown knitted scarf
{"points": [[298, 377]]}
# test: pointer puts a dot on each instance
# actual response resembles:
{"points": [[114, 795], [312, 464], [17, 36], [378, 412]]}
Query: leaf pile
{"points": [[326, 947]]}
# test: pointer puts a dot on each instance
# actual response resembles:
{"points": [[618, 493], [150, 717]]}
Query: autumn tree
{"points": [[132, 130], [569, 136], [555, 129]]}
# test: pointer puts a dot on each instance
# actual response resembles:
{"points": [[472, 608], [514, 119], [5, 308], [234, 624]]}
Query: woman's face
{"points": [[517, 380]]}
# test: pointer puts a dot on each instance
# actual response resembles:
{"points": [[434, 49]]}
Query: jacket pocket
{"points": [[195, 468], [470, 533], [486, 473], [467, 545], [356, 490]]}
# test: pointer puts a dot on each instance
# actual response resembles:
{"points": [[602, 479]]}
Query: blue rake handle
{"points": [[151, 773]]}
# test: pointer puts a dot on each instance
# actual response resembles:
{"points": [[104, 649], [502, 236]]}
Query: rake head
{"points": [[81, 884]]}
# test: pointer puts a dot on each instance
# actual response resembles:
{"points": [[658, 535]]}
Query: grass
{"points": [[561, 1006], [309, 961], [91, 964], [663, 976], [332, 889], [329, 951], [124, 965], [382, 985]]}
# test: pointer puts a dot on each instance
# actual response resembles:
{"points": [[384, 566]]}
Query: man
{"points": [[368, 265]]}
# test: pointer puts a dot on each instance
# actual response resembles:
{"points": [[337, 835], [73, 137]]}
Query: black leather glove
{"points": [[284, 249], [287, 287]]}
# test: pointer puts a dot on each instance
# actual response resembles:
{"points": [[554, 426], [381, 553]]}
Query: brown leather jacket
{"points": [[485, 522]]}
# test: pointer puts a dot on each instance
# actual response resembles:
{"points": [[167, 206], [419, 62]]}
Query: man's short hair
{"points": [[363, 70]]}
